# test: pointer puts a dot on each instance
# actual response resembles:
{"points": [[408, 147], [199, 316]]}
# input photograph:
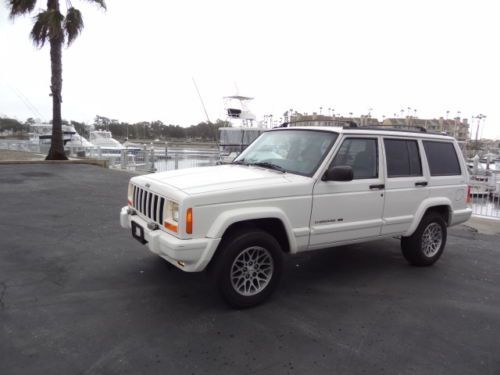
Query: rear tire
{"points": [[425, 246], [247, 268]]}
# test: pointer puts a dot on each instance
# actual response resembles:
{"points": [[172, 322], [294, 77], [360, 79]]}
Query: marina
{"points": [[243, 128], [484, 193]]}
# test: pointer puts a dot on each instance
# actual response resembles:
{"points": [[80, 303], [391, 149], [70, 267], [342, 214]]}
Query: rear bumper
{"points": [[191, 255], [461, 216]]}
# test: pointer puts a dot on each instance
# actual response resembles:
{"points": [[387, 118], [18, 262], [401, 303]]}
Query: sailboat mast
{"points": [[201, 100]]}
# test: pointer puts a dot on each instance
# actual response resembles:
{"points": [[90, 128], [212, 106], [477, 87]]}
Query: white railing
{"points": [[18, 145], [485, 195], [154, 160]]}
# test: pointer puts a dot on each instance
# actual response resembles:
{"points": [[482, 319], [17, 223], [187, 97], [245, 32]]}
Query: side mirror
{"points": [[339, 173]]}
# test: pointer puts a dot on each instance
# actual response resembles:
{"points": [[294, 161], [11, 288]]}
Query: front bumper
{"points": [[191, 255]]}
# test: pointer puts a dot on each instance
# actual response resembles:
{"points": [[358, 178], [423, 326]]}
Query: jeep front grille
{"points": [[149, 204]]}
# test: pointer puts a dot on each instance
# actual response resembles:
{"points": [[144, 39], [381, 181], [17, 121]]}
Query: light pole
{"points": [[479, 118], [368, 117], [457, 124]]}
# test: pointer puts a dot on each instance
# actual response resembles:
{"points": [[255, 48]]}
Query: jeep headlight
{"points": [[171, 215], [174, 211]]}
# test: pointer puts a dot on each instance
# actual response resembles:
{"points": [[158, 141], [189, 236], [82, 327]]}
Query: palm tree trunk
{"points": [[56, 151]]}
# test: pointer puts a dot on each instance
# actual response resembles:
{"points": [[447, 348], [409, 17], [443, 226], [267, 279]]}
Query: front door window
{"points": [[361, 155]]}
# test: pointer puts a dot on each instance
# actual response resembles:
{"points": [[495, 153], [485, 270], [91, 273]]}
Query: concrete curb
{"points": [[99, 163]]}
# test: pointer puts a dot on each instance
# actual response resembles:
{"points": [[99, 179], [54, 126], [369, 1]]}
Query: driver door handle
{"points": [[377, 187]]}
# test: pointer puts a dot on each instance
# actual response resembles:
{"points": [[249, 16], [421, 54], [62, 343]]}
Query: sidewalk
{"points": [[24, 157], [11, 155], [484, 225]]}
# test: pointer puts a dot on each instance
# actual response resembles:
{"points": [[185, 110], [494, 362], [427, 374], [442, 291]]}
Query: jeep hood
{"points": [[194, 181]]}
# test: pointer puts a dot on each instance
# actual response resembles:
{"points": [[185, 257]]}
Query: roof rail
{"points": [[349, 124], [418, 129], [354, 126]]}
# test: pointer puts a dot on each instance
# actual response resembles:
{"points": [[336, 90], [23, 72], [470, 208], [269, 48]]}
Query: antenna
{"points": [[201, 100]]}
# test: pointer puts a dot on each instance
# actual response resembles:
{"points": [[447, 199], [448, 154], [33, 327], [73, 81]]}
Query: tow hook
{"points": [[153, 226]]}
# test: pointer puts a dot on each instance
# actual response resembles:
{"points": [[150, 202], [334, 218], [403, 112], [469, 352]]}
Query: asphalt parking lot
{"points": [[78, 295]]}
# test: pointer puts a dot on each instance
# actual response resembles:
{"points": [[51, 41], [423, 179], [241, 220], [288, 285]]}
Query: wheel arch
{"points": [[442, 206], [273, 221]]}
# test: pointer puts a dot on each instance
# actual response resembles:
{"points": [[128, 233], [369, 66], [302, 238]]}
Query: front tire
{"points": [[248, 268], [425, 246]]}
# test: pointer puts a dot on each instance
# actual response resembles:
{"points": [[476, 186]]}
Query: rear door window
{"points": [[442, 158], [403, 158]]}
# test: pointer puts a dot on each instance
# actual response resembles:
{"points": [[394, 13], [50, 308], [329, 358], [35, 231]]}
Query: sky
{"points": [[137, 60]]}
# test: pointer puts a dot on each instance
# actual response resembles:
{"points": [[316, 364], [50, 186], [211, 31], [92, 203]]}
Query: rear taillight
{"points": [[468, 198]]}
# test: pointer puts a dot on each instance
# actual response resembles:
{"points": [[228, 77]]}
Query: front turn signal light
{"points": [[170, 226], [189, 221]]}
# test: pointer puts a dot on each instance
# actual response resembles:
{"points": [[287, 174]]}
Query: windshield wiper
{"points": [[266, 164]]}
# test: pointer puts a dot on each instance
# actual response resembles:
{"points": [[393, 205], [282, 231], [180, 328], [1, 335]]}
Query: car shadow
{"points": [[344, 266]]}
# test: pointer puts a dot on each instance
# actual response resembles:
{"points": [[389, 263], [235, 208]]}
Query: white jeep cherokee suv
{"points": [[301, 189]]}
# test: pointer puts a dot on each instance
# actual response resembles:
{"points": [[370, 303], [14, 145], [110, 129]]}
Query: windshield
{"points": [[294, 151]]}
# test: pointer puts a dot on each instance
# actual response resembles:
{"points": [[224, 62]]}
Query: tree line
{"points": [[144, 130]]}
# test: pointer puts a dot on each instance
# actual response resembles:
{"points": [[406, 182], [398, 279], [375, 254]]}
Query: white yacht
{"points": [[41, 134], [233, 140], [103, 140]]}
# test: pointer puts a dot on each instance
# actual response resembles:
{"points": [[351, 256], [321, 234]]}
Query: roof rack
{"points": [[350, 124], [354, 126], [418, 129]]}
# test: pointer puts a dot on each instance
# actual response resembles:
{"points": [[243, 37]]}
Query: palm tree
{"points": [[52, 26]]}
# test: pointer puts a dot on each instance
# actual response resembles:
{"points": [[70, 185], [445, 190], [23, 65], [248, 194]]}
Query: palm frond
{"points": [[73, 24], [20, 7], [48, 25], [102, 3]]}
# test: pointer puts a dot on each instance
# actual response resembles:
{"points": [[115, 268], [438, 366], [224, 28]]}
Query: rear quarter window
{"points": [[442, 158]]}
